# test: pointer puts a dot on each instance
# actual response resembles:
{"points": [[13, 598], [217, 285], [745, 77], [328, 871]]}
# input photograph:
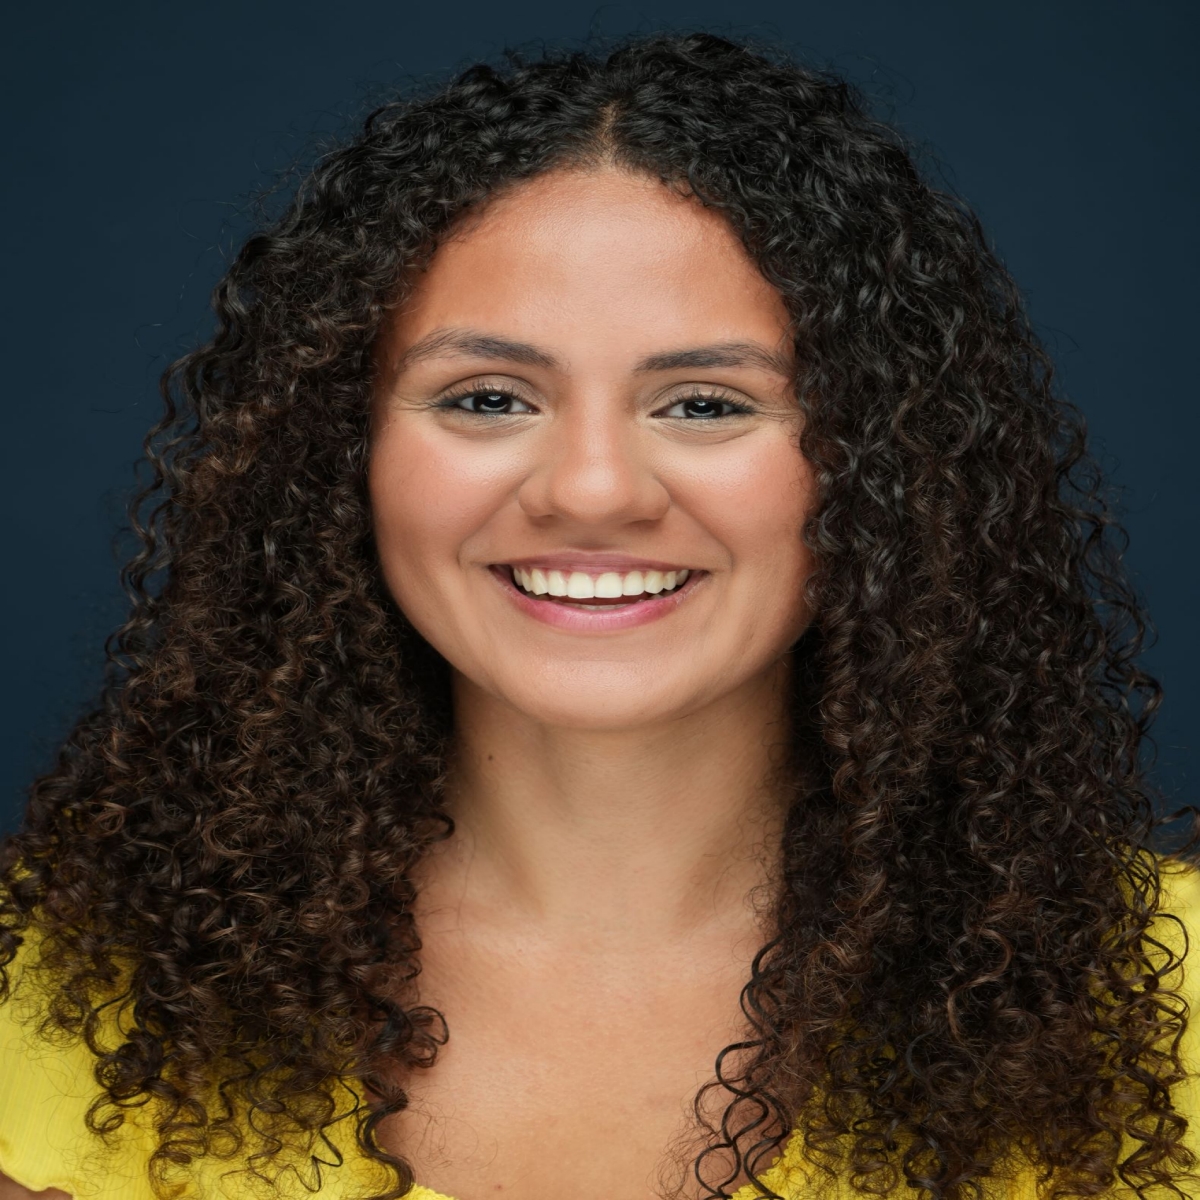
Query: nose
{"points": [[592, 467]]}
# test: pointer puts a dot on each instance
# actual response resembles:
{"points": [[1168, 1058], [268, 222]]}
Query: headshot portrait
{"points": [[632, 676]]}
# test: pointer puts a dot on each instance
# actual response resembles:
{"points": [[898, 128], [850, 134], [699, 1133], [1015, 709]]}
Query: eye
{"points": [[485, 401], [705, 408]]}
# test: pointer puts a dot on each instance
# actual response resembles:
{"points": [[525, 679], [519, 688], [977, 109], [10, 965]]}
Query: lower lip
{"points": [[597, 620]]}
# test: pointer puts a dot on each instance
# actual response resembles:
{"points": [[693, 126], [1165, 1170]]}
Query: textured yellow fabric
{"points": [[45, 1090]]}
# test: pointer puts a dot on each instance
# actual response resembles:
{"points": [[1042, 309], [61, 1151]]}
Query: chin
{"points": [[565, 708]]}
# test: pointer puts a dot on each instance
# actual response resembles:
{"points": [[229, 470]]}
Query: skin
{"points": [[588, 929], [613, 793]]}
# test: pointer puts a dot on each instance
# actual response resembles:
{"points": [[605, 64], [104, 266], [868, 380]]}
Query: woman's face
{"points": [[591, 382]]}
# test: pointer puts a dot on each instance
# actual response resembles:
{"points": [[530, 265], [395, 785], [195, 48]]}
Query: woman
{"points": [[629, 693]]}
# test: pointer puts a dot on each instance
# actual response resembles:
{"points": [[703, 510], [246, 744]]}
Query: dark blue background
{"points": [[134, 135]]}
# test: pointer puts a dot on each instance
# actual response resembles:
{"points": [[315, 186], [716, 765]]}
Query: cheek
{"points": [[427, 498], [755, 504], [758, 498]]}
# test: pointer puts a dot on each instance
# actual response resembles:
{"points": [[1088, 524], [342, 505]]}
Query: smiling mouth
{"points": [[610, 589]]}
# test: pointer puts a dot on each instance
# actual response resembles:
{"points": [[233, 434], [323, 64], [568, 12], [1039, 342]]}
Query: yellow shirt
{"points": [[45, 1090]]}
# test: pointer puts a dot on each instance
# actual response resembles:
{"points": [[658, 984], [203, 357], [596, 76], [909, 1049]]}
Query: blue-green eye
{"points": [[495, 402]]}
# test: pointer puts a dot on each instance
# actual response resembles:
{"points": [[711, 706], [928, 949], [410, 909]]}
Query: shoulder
{"points": [[47, 1085], [1180, 887], [1175, 946], [1178, 929]]}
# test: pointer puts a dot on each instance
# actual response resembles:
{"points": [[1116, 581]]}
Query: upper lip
{"points": [[591, 562]]}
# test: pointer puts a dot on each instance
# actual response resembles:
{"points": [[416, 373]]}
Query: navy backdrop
{"points": [[137, 132]]}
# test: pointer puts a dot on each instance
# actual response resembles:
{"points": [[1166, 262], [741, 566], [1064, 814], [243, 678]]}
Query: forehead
{"points": [[601, 258]]}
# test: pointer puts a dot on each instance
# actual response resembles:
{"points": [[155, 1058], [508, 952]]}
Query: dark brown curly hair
{"points": [[961, 962]]}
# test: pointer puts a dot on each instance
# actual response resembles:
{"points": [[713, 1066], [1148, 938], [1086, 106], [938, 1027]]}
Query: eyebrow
{"points": [[447, 343]]}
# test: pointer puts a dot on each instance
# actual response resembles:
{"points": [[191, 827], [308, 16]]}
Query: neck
{"points": [[656, 832]]}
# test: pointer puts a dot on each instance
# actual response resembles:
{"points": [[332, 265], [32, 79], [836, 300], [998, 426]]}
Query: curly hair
{"points": [[960, 965]]}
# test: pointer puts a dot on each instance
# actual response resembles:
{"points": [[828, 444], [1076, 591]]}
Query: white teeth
{"points": [[578, 585], [608, 585]]}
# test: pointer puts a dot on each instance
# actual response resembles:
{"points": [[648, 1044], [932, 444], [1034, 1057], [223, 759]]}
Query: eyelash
{"points": [[452, 402]]}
